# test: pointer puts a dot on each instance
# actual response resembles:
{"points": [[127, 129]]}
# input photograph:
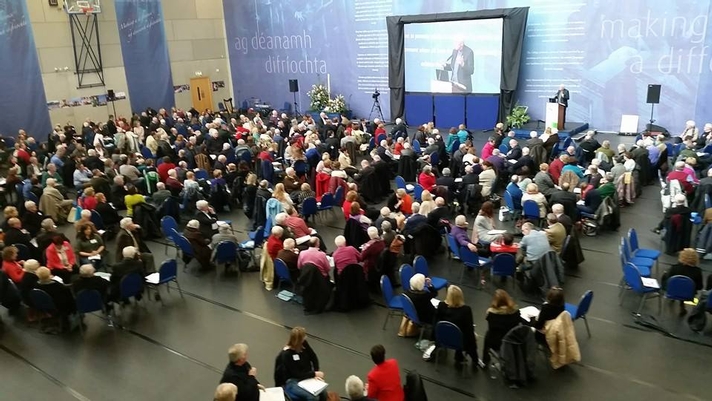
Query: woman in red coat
{"points": [[60, 258], [384, 381], [426, 179], [10, 265], [88, 200]]}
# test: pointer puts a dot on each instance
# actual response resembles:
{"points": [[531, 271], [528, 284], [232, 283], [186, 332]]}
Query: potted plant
{"points": [[518, 117]]}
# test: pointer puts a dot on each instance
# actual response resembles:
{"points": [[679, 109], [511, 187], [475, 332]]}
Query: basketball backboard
{"points": [[82, 6]]}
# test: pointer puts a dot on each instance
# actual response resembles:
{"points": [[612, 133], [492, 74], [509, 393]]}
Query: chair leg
{"points": [[388, 316], [642, 302], [621, 296], [587, 329], [158, 292]]}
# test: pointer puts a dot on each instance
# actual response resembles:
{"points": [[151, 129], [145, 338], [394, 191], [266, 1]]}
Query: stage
{"points": [[573, 129]]}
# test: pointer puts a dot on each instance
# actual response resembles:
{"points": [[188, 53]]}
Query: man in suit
{"points": [[15, 234], [440, 212], [558, 211], [240, 373], [562, 96], [130, 263], [462, 65], [556, 233], [88, 281], [207, 218], [567, 199], [130, 236]]}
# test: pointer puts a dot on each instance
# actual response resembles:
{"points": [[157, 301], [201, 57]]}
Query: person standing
{"points": [[240, 373], [384, 381], [462, 64]]}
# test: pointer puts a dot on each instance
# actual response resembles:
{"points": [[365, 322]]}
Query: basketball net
{"points": [[87, 10]]}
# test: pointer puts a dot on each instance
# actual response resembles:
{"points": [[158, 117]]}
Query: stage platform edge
{"points": [[523, 133]]}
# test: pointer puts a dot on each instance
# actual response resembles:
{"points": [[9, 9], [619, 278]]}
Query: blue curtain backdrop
{"points": [[22, 98], [605, 51], [145, 52]]}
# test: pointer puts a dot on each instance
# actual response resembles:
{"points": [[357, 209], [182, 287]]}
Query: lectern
{"points": [[555, 114]]}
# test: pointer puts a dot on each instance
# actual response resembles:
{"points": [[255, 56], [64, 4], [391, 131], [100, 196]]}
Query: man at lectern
{"points": [[462, 64], [562, 96]]}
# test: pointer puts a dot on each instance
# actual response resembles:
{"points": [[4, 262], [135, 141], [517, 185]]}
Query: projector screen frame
{"points": [[514, 26]]}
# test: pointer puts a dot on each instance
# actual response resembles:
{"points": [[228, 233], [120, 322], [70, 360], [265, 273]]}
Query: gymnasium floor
{"points": [[178, 351]]}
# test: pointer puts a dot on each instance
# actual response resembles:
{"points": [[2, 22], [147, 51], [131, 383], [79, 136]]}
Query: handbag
{"points": [[407, 328], [75, 213]]}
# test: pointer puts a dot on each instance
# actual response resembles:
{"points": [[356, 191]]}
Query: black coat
{"points": [[351, 289], [423, 306], [568, 201], [369, 184], [315, 289], [91, 283], [121, 270], [462, 318], [32, 222], [246, 384], [206, 223]]}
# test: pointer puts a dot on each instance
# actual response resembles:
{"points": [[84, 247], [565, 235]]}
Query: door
{"points": [[201, 91]]}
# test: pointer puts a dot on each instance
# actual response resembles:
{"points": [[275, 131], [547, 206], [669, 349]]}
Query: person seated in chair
{"points": [[454, 310], [88, 281], [199, 243], [356, 390], [313, 255], [206, 217], [421, 291], [240, 373], [344, 255], [679, 208], [60, 294], [415, 219], [290, 256], [15, 234], [224, 234], [32, 219], [688, 265], [371, 250], [384, 381], [534, 245], [130, 235], [130, 263], [550, 310], [459, 232], [400, 201], [161, 194], [502, 316]]}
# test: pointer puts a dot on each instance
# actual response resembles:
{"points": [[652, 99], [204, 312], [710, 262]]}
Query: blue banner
{"points": [[145, 52], [605, 51], [22, 99]]}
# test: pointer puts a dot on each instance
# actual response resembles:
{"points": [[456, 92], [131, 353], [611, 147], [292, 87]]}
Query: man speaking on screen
{"points": [[562, 96], [462, 65]]}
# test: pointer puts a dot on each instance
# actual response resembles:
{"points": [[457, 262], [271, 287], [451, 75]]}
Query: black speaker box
{"points": [[653, 94], [293, 85], [110, 94]]}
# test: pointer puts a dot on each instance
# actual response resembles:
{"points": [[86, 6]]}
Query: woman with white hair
{"points": [[199, 243], [355, 389], [207, 218], [421, 291], [371, 250], [344, 255]]}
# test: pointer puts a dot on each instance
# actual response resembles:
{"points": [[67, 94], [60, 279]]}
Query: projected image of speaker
{"points": [[653, 94], [110, 95], [294, 85]]}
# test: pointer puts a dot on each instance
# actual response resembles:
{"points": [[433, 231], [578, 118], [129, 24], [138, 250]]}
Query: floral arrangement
{"points": [[321, 101], [319, 96]]}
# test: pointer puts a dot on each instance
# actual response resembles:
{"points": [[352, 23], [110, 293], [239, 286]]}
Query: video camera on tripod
{"points": [[376, 94]]}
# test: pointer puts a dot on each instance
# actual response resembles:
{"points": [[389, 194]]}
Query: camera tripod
{"points": [[376, 107]]}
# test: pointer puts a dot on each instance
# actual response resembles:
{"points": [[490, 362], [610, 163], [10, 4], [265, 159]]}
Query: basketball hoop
{"points": [[87, 10]]}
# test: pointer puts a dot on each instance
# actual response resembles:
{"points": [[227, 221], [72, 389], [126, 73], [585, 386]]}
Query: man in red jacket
{"points": [[384, 382]]}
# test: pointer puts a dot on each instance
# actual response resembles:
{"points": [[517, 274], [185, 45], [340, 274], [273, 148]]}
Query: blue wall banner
{"points": [[145, 52], [605, 51], [22, 99]]}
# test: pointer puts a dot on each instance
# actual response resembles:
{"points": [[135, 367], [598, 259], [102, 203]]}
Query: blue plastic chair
{"points": [[23, 252], [579, 311], [89, 301], [454, 248], [42, 302], [131, 286], [454, 146], [434, 160], [394, 304], [405, 273], [327, 202], [226, 253], [680, 288], [420, 265], [184, 245], [252, 244], [146, 153], [201, 174], [167, 272], [32, 197], [282, 272], [416, 146], [636, 260], [447, 336], [168, 226], [530, 211], [636, 251], [339, 197], [401, 184], [644, 270], [634, 280], [300, 167], [504, 265], [309, 208], [471, 261], [411, 313], [97, 220], [509, 202], [418, 192], [503, 149]]}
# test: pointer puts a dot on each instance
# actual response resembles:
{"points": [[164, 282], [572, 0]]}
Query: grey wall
{"points": [[195, 32]]}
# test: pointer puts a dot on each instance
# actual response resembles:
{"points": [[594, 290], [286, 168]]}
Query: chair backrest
{"points": [[183, 243], [97, 220], [386, 289], [146, 153], [405, 272], [625, 249], [633, 240], [281, 270], [448, 335], [509, 201], [632, 277], [168, 223], [309, 207], [259, 236], [301, 167], [226, 252], [503, 149], [168, 271], [434, 159], [31, 196], [680, 287], [417, 192], [131, 285], [530, 209], [327, 200], [416, 146], [400, 182], [452, 244], [89, 301], [23, 252], [409, 310], [584, 304], [201, 174], [42, 301], [504, 264], [469, 258], [339, 196], [454, 146], [420, 265]]}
